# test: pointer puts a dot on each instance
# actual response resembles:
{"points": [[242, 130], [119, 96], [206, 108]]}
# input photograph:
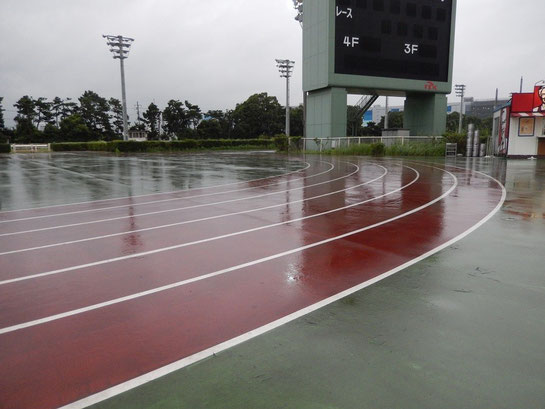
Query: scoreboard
{"points": [[393, 47], [400, 48], [407, 39]]}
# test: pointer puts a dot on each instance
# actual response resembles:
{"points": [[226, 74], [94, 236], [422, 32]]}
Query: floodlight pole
{"points": [[119, 46], [286, 67], [460, 92], [124, 101]]}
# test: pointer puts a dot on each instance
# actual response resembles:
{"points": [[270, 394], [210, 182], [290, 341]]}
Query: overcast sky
{"points": [[216, 53]]}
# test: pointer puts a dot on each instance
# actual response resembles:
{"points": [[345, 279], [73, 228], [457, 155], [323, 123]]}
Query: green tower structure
{"points": [[377, 47]]}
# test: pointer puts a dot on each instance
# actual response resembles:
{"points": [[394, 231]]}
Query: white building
{"points": [[519, 126]]}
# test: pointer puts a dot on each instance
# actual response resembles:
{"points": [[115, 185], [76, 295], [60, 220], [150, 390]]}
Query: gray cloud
{"points": [[216, 53]]}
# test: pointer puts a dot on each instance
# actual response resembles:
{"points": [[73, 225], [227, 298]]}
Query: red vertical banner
{"points": [[503, 137]]}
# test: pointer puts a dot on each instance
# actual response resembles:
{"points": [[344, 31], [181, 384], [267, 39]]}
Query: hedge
{"points": [[5, 148], [162, 146], [436, 148]]}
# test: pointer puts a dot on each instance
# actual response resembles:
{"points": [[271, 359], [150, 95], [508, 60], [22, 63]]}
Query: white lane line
{"points": [[226, 270], [166, 200], [182, 363], [158, 193], [67, 269], [176, 209], [79, 174], [207, 218], [178, 246]]}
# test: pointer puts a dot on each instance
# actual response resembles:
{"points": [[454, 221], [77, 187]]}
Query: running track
{"points": [[100, 297]]}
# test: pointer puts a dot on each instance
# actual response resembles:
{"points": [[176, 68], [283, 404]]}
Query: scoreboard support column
{"points": [[425, 114], [326, 113], [400, 48]]}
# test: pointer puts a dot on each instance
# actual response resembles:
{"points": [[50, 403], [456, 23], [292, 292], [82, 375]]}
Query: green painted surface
{"points": [[326, 113], [462, 329], [316, 49], [425, 114]]}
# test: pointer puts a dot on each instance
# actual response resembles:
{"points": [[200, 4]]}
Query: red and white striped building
{"points": [[519, 126]]}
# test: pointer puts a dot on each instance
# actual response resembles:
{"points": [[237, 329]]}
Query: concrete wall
{"points": [[326, 113]]}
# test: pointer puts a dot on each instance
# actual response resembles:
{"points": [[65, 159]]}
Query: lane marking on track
{"points": [[223, 271], [332, 167], [208, 218], [79, 174], [158, 193], [199, 356], [178, 246], [176, 209]]}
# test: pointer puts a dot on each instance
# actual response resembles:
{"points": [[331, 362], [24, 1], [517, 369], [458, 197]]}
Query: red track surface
{"points": [[47, 360]]}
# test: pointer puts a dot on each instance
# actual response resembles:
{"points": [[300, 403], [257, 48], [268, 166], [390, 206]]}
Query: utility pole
{"points": [[460, 92], [137, 112], [386, 124], [119, 46], [286, 68]]}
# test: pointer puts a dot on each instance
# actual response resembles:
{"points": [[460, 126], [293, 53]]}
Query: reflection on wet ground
{"points": [[34, 180], [292, 244]]}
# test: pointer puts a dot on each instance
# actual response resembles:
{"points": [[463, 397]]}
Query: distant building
{"points": [[139, 136], [479, 108]]}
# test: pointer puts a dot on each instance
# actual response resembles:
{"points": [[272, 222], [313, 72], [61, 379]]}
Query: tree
{"points": [[217, 124], [296, 121], [395, 120], [56, 109], [51, 133], [94, 111], [194, 115], [69, 108], [210, 128], [2, 124], [371, 129], [354, 121], [151, 118], [483, 125], [117, 115], [73, 128], [26, 112], [453, 122], [175, 118], [61, 109], [259, 115], [43, 112]]}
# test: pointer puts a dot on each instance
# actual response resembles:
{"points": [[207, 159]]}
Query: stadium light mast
{"points": [[119, 46], [286, 68], [460, 92]]}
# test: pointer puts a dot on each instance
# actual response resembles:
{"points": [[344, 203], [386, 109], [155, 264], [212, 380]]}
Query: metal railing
{"points": [[31, 147], [321, 144]]}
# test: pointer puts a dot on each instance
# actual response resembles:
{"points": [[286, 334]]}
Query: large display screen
{"points": [[407, 39]]}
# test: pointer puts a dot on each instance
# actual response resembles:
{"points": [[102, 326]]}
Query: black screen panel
{"points": [[408, 39]]}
